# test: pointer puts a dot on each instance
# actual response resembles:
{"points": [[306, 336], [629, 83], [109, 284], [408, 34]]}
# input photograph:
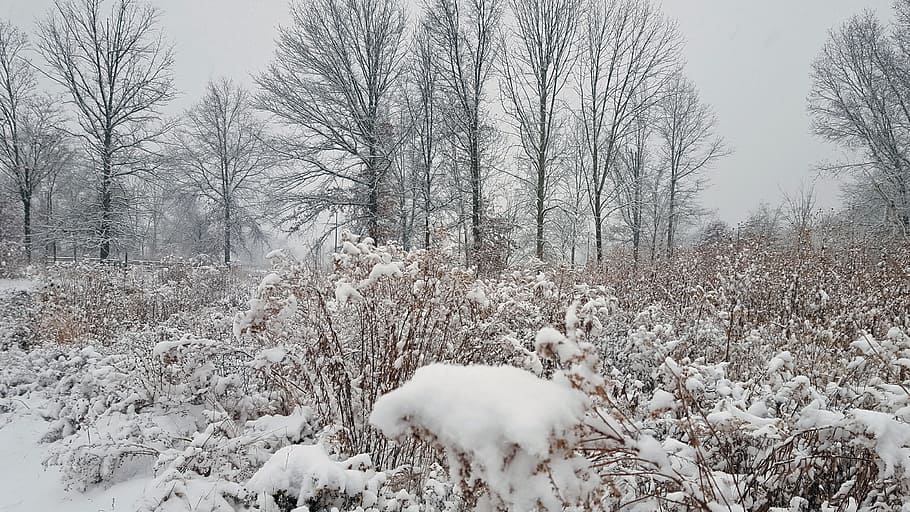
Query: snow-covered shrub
{"points": [[511, 439], [12, 258], [507, 434], [92, 302], [307, 474], [338, 344]]}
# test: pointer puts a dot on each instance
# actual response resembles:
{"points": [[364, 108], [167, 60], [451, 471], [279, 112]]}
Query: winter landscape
{"points": [[454, 255]]}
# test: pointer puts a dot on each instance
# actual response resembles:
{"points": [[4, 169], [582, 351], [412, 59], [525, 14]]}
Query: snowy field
{"points": [[403, 382], [608, 259]]}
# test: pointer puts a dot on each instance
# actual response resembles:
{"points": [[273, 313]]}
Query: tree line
{"points": [[500, 128]]}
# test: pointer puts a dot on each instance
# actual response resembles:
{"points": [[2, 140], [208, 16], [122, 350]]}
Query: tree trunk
{"points": [[427, 202], [403, 222], [476, 199], [105, 230], [540, 208], [654, 228], [574, 239], [106, 183], [27, 212], [598, 204], [50, 246], [598, 220], [373, 211], [154, 248], [671, 218], [636, 219], [374, 178], [541, 166], [227, 232]]}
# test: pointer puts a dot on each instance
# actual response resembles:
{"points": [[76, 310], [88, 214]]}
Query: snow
{"points": [[345, 292], [651, 450], [275, 254], [392, 269], [25, 484], [502, 426], [661, 401], [274, 355], [349, 248], [891, 439], [16, 285], [780, 361], [303, 471], [206, 412], [478, 296], [480, 409], [550, 340], [269, 281]]}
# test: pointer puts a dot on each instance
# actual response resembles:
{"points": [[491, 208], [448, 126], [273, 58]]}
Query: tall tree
{"points": [[45, 151], [571, 199], [426, 125], [860, 99], [466, 35], [222, 151], [32, 145], [630, 180], [116, 66], [686, 128], [332, 83], [17, 90], [536, 67], [628, 52]]}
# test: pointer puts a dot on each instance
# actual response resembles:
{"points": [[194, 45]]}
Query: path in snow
{"points": [[26, 486]]}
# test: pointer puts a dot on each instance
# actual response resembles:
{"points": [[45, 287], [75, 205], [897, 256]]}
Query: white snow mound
{"points": [[303, 471], [481, 409]]}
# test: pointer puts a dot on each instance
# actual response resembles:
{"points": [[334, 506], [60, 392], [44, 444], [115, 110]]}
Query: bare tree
{"points": [[762, 225], [628, 51], [800, 210], [116, 67], [425, 113], [630, 180], [332, 84], [537, 64], [571, 200], [45, 152], [861, 99], [465, 33], [656, 211], [686, 128], [223, 156], [17, 89], [32, 146]]}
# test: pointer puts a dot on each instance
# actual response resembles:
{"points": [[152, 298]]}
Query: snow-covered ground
{"points": [[8, 285], [27, 486], [406, 384]]}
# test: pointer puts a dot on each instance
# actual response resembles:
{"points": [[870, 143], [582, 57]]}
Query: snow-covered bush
{"points": [[340, 343], [740, 377], [92, 302], [510, 438]]}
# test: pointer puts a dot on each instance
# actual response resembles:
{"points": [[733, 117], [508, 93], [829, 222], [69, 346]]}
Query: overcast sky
{"points": [[750, 59]]}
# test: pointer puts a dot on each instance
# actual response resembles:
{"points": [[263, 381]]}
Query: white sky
{"points": [[750, 59]]}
